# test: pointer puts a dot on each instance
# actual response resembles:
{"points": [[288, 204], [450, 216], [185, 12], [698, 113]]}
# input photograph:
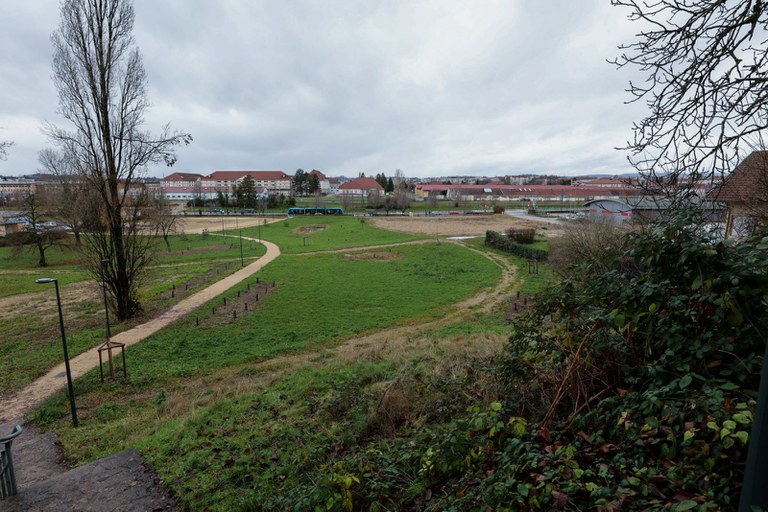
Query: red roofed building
{"points": [[188, 186], [182, 179], [745, 194], [182, 186], [490, 192], [605, 182], [360, 187], [276, 182]]}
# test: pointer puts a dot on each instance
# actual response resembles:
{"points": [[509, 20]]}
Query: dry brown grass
{"points": [[374, 255], [42, 304], [454, 226]]}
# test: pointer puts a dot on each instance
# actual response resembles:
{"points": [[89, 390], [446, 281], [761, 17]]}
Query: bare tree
{"points": [[162, 219], [67, 197], [375, 199], [138, 246], [4, 146], [347, 201], [706, 66], [401, 200], [198, 197], [584, 241], [102, 88], [36, 209]]}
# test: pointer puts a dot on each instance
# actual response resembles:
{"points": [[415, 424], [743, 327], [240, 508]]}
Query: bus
{"points": [[314, 211]]}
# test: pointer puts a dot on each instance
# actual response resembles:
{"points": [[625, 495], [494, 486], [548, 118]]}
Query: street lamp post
{"points": [[242, 262], [104, 264], [70, 388]]}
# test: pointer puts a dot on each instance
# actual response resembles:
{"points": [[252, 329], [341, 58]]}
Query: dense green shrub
{"points": [[504, 243]]}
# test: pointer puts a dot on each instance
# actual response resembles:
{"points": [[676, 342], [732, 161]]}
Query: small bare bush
{"points": [[394, 407], [522, 235], [584, 241]]}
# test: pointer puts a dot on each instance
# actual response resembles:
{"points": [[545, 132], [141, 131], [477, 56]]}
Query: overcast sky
{"points": [[432, 87]]}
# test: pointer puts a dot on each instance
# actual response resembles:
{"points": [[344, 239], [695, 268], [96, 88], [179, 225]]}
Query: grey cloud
{"points": [[433, 87]]}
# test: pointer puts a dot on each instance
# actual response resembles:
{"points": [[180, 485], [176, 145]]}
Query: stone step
{"points": [[121, 482]]}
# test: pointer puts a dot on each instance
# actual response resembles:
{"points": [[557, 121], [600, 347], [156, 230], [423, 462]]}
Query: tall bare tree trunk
{"points": [[101, 82]]}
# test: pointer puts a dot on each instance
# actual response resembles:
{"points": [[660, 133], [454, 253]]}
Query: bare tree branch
{"points": [[102, 89], [706, 83], [5, 145]]}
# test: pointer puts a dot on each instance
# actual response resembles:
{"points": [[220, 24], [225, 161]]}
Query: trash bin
{"points": [[7, 476]]}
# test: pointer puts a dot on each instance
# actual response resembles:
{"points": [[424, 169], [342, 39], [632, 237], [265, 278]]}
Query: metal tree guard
{"points": [[109, 345]]}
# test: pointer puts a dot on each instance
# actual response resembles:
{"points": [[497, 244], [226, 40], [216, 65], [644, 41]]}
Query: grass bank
{"points": [[318, 301], [31, 342]]}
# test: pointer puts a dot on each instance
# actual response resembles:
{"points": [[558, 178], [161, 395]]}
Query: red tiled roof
{"points": [[183, 176], [256, 175], [747, 182], [361, 184], [606, 181], [319, 174], [527, 190]]}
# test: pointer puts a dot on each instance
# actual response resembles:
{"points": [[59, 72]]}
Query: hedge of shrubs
{"points": [[506, 244]]}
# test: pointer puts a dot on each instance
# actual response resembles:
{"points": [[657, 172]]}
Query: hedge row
{"points": [[506, 244]]}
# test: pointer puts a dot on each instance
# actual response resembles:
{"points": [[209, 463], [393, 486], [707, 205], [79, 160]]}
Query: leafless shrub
{"points": [[521, 235], [584, 241]]}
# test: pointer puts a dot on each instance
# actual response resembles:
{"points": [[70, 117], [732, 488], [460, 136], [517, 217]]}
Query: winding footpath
{"points": [[16, 405], [124, 481]]}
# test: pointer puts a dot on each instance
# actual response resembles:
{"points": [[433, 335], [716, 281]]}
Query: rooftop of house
{"points": [[747, 182], [361, 184], [183, 176], [257, 175], [319, 174]]}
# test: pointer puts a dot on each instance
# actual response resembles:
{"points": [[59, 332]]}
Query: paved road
{"points": [[520, 214], [24, 400]]}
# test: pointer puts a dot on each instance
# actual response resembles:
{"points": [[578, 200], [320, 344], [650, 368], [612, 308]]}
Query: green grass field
{"points": [[231, 424], [31, 342], [321, 233], [319, 300]]}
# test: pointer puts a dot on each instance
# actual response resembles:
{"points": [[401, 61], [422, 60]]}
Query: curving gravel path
{"points": [[16, 405]]}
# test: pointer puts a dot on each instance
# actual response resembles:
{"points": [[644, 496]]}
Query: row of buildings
{"points": [[181, 186], [742, 196]]}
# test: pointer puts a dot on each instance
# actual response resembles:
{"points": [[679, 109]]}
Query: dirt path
{"points": [[24, 400], [195, 224]]}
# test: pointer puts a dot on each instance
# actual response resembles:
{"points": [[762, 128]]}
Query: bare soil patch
{"points": [[310, 230], [42, 304], [194, 224], [454, 226]]}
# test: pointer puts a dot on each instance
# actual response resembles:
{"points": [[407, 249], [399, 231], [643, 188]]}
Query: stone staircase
{"points": [[121, 482]]}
